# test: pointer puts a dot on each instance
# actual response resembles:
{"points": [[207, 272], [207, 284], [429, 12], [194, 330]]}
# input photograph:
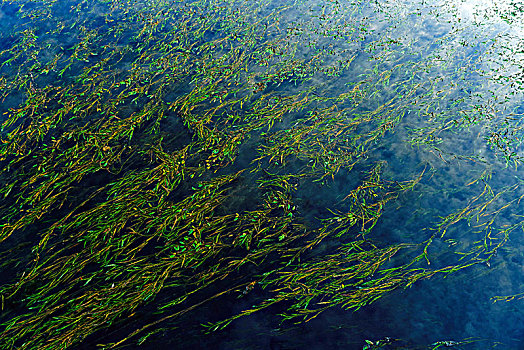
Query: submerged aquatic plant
{"points": [[153, 151]]}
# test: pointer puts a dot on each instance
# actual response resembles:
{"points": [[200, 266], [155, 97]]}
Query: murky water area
{"points": [[220, 174]]}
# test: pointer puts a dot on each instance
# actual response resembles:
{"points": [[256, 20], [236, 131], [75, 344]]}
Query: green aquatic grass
{"points": [[122, 180]]}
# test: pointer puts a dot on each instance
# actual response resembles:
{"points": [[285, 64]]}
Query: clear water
{"points": [[455, 87]]}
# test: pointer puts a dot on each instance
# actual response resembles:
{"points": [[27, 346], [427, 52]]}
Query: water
{"points": [[422, 91]]}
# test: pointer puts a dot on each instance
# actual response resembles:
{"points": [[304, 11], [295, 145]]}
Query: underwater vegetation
{"points": [[158, 157]]}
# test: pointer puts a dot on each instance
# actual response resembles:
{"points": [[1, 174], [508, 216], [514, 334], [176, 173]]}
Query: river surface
{"points": [[424, 91]]}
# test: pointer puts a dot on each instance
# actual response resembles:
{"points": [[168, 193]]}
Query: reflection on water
{"points": [[261, 174]]}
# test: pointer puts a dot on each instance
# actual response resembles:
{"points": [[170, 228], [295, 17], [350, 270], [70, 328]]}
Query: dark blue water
{"points": [[454, 98]]}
